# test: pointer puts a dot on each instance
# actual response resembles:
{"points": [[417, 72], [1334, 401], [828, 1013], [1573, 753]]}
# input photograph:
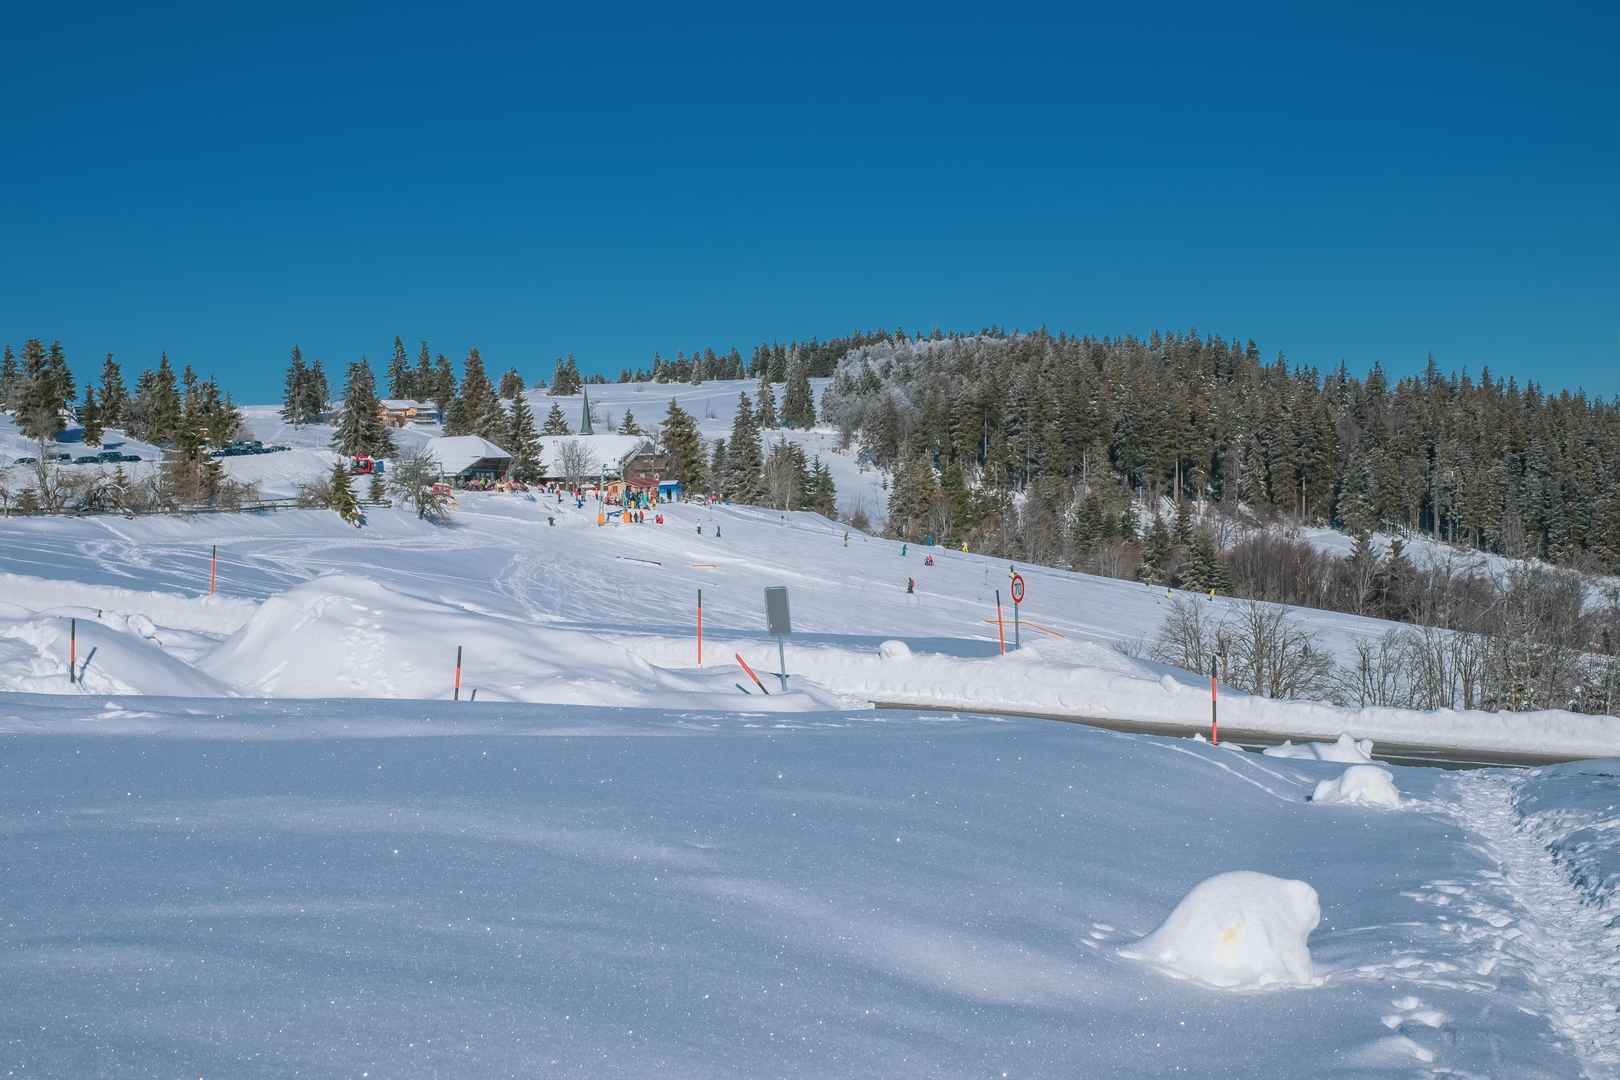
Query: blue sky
{"points": [[1359, 185]]}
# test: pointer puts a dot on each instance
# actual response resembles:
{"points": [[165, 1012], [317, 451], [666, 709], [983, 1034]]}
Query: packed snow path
{"points": [[1564, 935]]}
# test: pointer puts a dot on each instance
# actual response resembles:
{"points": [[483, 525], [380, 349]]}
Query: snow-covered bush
{"points": [[1359, 785], [1237, 931]]}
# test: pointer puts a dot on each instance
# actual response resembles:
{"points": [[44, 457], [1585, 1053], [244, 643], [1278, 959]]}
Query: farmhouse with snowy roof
{"points": [[464, 458]]}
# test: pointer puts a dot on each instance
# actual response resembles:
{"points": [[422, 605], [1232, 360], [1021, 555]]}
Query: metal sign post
{"points": [[780, 624], [1017, 591]]}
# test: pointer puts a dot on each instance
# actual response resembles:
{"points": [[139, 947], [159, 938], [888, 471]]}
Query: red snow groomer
{"points": [[362, 465]]}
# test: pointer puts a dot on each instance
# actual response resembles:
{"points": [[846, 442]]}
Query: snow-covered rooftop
{"points": [[609, 450], [401, 404], [455, 453]]}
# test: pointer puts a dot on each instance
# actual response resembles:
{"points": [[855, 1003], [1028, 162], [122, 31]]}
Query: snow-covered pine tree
{"points": [[765, 414], [341, 497], [90, 417], [399, 372], [361, 428], [745, 457], [683, 447], [798, 404], [522, 442], [114, 398], [556, 422], [293, 389]]}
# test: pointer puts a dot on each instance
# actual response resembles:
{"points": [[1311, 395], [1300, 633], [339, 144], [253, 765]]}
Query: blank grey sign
{"points": [[776, 611]]}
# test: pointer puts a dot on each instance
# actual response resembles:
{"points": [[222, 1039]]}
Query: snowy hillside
{"points": [[626, 595]]}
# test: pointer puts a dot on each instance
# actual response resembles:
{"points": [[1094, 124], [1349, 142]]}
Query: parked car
{"points": [[26, 461], [109, 456], [88, 459], [64, 458], [130, 457]]}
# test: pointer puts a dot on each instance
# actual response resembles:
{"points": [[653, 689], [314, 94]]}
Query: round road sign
{"points": [[1018, 589]]}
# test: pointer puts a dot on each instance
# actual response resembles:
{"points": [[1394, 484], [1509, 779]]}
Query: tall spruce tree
{"points": [[90, 417], [511, 384], [295, 390], [745, 457], [765, 413], [684, 448], [10, 377], [442, 390], [522, 442], [360, 427], [114, 398], [399, 372], [798, 404], [421, 381]]}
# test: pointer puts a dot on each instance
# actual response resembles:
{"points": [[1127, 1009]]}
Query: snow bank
{"points": [[342, 635], [216, 614], [1343, 749], [115, 655], [1360, 785], [1237, 931]]}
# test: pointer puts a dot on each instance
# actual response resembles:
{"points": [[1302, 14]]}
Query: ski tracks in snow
{"points": [[1570, 952]]}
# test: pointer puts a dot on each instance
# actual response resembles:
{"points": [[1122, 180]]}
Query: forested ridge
{"points": [[1479, 461]]}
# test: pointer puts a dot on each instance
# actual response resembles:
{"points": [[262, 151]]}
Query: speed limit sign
{"points": [[1017, 589]]}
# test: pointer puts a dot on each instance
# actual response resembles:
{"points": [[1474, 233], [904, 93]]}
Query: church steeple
{"points": [[585, 417]]}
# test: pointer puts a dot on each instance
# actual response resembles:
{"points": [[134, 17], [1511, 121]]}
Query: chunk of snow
{"points": [[894, 650], [1362, 785], [1236, 931], [1344, 749]]}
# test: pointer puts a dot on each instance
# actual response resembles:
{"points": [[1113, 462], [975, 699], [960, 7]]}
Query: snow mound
{"points": [[347, 636], [894, 650], [1359, 785], [1345, 749], [1237, 931], [110, 659]]}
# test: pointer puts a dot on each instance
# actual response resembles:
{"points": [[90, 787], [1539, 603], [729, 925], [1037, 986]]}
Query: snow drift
{"points": [[1236, 931], [1344, 749], [350, 636], [1360, 785]]}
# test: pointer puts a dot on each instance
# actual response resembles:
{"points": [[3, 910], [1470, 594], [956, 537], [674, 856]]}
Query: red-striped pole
{"points": [[1214, 719], [700, 628], [73, 650], [213, 569], [1001, 629], [458, 673]]}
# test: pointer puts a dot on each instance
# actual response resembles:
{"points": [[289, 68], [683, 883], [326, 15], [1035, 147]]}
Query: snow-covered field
{"points": [[256, 838], [351, 887], [378, 612]]}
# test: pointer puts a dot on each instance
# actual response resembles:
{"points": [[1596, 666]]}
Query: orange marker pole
{"points": [[1214, 720], [73, 650], [700, 628], [751, 674], [458, 673], [213, 569], [1001, 628]]}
